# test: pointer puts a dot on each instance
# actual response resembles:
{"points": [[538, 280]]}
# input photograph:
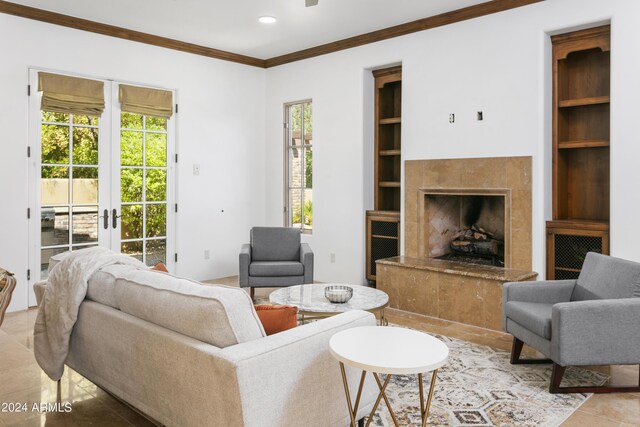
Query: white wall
{"points": [[498, 64], [220, 126]]}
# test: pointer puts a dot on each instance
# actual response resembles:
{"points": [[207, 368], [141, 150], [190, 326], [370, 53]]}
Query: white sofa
{"points": [[188, 354]]}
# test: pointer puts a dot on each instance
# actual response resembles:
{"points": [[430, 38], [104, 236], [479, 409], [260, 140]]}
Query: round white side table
{"points": [[390, 351]]}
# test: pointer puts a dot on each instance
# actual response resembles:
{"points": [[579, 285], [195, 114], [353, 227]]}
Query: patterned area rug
{"points": [[479, 387]]}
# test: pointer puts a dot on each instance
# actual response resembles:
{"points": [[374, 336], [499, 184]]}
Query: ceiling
{"points": [[232, 25]]}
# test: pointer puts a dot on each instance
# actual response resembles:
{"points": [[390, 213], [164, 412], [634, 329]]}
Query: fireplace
{"points": [[465, 225], [448, 201]]}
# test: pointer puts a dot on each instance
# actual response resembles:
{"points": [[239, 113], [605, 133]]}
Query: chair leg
{"points": [[253, 293], [556, 378], [516, 350]]}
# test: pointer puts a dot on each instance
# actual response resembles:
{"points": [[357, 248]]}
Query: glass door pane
{"points": [[69, 202], [143, 187]]}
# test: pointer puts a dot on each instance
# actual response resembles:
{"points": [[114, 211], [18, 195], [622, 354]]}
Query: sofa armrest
{"points": [[306, 258], [544, 291], [244, 261], [596, 332], [292, 376]]}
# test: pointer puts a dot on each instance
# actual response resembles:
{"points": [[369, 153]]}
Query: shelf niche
{"points": [[581, 160]]}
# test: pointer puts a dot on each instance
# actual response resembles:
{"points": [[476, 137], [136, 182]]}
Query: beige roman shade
{"points": [[146, 101], [71, 95]]}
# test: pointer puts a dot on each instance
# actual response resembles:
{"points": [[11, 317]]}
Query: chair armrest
{"points": [[306, 258], [243, 265], [292, 377], [596, 332], [544, 291]]}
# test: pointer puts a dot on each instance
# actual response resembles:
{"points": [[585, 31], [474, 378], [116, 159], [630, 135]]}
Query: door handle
{"points": [[114, 218], [105, 219]]}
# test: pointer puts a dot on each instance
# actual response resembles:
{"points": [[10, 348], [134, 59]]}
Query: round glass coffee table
{"points": [[312, 303]]}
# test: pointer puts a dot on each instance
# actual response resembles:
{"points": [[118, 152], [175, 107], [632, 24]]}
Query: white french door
{"points": [[99, 181]]}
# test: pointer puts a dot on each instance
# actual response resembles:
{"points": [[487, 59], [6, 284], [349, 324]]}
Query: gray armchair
{"points": [[275, 258], [594, 320]]}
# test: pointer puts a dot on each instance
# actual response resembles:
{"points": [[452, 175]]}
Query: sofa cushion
{"points": [[215, 314], [534, 316], [101, 285], [605, 277], [275, 244], [276, 268]]}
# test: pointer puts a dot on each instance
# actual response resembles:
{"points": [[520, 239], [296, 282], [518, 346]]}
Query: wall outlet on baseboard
{"points": [[207, 254], [332, 257]]}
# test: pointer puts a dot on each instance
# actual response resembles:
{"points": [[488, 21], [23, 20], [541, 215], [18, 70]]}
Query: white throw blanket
{"points": [[58, 312]]}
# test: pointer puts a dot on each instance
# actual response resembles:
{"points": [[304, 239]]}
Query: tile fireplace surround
{"points": [[459, 291]]}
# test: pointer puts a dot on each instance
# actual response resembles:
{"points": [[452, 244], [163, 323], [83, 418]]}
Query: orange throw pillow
{"points": [[160, 267], [277, 318]]}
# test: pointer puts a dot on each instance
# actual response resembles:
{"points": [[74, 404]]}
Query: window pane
{"points": [[85, 146], [54, 226], [295, 207], [48, 116], [156, 149], [131, 121], [131, 148], [156, 185], [308, 167], [296, 118], [55, 144], [45, 255], [54, 185], [133, 249], [156, 220], [308, 125], [85, 120], [85, 224], [308, 209], [85, 185], [130, 185], [295, 167], [156, 251], [156, 123], [131, 222]]}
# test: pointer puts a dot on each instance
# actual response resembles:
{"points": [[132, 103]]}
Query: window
{"points": [[299, 163]]}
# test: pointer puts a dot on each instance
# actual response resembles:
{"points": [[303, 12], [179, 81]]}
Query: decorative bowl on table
{"points": [[338, 294]]}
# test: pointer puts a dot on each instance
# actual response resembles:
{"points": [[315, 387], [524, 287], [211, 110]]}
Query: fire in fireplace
{"points": [[466, 228]]}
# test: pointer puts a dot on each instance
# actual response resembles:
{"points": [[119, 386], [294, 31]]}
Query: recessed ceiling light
{"points": [[267, 19]]}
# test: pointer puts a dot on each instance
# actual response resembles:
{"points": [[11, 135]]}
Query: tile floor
{"points": [[21, 380]]}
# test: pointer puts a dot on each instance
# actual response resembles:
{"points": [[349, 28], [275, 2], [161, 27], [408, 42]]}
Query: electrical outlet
{"points": [[452, 118], [480, 116], [196, 169], [207, 254], [332, 257]]}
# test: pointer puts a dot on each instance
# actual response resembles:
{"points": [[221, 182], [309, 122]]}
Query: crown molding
{"points": [[471, 12]]}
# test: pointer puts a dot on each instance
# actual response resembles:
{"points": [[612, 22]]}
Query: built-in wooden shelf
{"points": [[581, 150], [585, 143], [390, 121], [580, 102], [598, 224], [389, 184], [389, 152]]}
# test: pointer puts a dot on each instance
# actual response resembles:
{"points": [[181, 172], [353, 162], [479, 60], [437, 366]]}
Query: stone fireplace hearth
{"points": [[488, 200]]}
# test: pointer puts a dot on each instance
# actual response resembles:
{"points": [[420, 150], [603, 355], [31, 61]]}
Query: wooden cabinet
{"points": [[581, 98], [387, 168], [383, 238], [568, 243]]}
